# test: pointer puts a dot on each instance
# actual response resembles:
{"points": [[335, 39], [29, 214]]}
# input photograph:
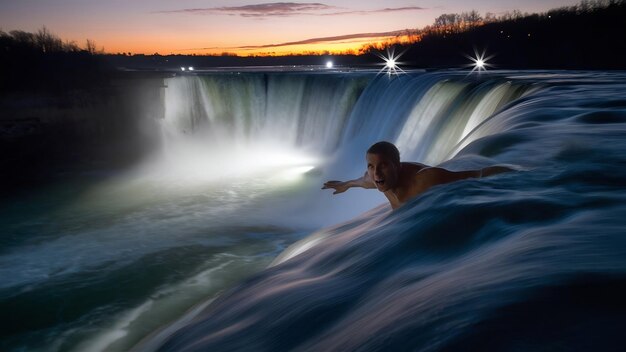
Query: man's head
{"points": [[383, 165]]}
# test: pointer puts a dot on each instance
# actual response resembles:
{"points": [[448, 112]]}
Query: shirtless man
{"points": [[402, 181]]}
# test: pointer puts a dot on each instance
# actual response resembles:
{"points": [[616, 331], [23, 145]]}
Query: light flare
{"points": [[479, 61], [391, 63]]}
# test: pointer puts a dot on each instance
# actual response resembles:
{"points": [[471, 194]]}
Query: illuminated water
{"points": [[532, 260]]}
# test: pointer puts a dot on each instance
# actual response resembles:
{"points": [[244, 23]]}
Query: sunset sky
{"points": [[242, 27]]}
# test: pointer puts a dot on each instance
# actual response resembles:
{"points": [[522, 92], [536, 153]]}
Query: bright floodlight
{"points": [[329, 64], [294, 173], [479, 62], [263, 163], [190, 68], [182, 69], [391, 63]]}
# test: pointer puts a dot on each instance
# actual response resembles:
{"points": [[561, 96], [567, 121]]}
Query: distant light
{"points": [[479, 62], [391, 63], [182, 69], [190, 68], [329, 64]]}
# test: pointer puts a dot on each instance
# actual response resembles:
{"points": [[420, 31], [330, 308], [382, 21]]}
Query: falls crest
{"points": [[305, 111], [335, 115]]}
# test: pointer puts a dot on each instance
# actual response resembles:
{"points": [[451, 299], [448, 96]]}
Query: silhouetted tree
{"points": [[90, 46], [490, 17], [42, 60], [471, 19], [448, 22], [48, 42]]}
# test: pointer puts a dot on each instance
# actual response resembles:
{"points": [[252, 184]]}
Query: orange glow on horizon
{"points": [[356, 44], [340, 47]]}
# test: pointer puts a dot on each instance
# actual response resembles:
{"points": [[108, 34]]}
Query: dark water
{"points": [[529, 260]]}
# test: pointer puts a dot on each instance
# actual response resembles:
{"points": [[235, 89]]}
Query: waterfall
{"points": [[304, 111], [338, 115]]}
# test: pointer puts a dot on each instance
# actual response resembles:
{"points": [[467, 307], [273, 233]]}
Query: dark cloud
{"points": [[367, 12], [327, 39], [286, 9], [274, 9]]}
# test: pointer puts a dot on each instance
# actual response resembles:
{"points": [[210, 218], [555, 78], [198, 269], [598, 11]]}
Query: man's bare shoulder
{"points": [[430, 176], [410, 183], [412, 167]]}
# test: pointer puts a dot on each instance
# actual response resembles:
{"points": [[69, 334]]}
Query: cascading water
{"points": [[237, 180], [425, 115], [540, 251], [304, 111]]}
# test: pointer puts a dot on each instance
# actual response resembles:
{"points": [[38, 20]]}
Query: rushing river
{"points": [[222, 240]]}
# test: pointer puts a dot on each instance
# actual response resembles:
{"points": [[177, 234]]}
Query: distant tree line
{"points": [[43, 41], [455, 23], [589, 35], [42, 60]]}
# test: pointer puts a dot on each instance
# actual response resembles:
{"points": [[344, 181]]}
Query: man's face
{"points": [[383, 171]]}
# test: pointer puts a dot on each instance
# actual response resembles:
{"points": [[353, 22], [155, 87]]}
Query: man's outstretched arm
{"points": [[342, 186]]}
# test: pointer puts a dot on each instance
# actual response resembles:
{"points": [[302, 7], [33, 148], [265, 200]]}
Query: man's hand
{"points": [[342, 186], [338, 186]]}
